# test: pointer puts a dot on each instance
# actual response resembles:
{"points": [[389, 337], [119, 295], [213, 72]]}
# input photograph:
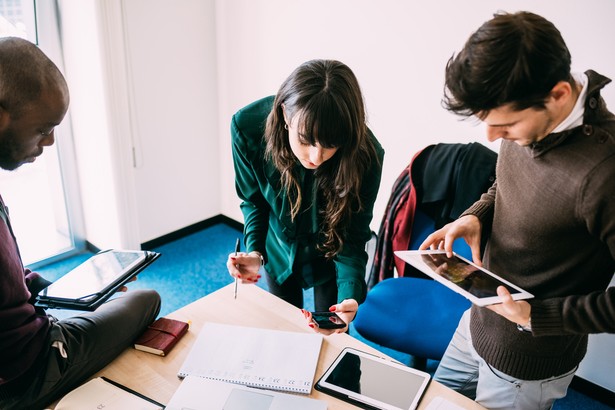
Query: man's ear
{"points": [[561, 93], [5, 118]]}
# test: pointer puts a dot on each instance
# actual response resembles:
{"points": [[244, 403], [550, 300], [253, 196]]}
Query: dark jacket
{"points": [[442, 180]]}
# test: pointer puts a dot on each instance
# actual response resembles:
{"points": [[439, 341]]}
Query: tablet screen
{"points": [[95, 274], [468, 277], [375, 381], [476, 283]]}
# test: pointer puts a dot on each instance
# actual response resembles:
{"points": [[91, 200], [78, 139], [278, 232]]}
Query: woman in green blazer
{"points": [[307, 170]]}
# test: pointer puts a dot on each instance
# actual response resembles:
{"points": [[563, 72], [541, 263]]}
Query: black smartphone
{"points": [[328, 320]]}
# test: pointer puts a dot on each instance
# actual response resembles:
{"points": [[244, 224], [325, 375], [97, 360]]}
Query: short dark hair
{"points": [[511, 59], [25, 71]]}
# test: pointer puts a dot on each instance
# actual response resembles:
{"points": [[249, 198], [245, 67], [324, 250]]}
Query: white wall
{"points": [[171, 53], [397, 49]]}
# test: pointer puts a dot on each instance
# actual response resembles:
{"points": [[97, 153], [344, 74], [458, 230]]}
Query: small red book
{"points": [[160, 337]]}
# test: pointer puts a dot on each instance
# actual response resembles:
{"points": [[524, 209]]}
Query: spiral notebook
{"points": [[255, 357]]}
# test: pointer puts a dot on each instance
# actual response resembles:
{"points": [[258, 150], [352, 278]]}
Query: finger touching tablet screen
{"points": [[462, 276], [372, 382]]}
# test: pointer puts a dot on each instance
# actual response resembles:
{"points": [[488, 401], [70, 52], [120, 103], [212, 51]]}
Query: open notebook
{"points": [[263, 358], [199, 393]]}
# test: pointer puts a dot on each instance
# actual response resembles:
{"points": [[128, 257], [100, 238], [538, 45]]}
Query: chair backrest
{"points": [[425, 225], [441, 181]]}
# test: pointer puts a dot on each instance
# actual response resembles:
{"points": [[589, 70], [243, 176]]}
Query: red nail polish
{"points": [[332, 309]]}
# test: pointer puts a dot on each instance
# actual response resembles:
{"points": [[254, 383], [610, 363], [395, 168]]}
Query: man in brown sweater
{"points": [[548, 220]]}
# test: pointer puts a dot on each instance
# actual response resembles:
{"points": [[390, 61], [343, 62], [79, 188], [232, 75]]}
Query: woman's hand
{"points": [[346, 310], [244, 266]]}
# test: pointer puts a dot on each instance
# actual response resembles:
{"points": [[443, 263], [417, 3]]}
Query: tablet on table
{"points": [[373, 382]]}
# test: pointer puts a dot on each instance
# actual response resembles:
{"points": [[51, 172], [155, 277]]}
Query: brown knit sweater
{"points": [[552, 218]]}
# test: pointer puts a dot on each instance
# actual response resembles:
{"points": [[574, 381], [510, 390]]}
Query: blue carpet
{"points": [[195, 265]]}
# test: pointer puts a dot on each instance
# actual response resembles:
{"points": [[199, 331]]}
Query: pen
{"points": [[236, 250]]}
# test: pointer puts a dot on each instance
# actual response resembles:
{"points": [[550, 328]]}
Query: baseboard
{"points": [[593, 390], [91, 248], [188, 230]]}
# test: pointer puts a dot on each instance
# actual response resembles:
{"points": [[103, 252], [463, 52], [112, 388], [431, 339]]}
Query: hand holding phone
{"points": [[327, 320]]}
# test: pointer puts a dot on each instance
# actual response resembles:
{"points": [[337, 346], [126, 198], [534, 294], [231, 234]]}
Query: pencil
{"points": [[237, 244]]}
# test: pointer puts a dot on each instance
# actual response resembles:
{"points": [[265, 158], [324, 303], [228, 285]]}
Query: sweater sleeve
{"points": [[593, 311], [35, 283], [483, 208]]}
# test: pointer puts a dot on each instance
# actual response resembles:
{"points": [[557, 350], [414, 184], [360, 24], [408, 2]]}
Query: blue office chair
{"points": [[413, 315]]}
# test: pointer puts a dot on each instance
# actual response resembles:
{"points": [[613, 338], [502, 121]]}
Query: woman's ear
{"points": [[286, 120]]}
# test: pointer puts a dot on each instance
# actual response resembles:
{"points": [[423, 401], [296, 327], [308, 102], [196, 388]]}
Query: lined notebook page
{"points": [[264, 358]]}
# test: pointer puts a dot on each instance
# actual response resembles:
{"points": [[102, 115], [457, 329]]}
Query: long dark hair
{"points": [[326, 96]]}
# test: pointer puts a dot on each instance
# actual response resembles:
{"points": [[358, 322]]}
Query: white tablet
{"points": [[372, 382], [464, 277], [94, 281]]}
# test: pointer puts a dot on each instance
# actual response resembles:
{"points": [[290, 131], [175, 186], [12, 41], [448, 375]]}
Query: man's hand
{"points": [[516, 311], [467, 227], [124, 288]]}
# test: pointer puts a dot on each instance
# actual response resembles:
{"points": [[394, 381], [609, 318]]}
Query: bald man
{"points": [[42, 358]]}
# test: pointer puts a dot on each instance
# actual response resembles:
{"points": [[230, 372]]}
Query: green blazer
{"points": [[267, 224]]}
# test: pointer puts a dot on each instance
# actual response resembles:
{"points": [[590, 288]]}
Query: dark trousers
{"points": [[90, 341], [325, 295]]}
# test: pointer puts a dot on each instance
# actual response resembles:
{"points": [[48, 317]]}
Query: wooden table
{"points": [[156, 376]]}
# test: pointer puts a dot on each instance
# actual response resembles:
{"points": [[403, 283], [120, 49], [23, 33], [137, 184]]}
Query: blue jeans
{"points": [[463, 370]]}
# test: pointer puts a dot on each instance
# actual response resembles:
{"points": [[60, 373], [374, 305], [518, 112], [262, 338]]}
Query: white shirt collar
{"points": [[575, 118]]}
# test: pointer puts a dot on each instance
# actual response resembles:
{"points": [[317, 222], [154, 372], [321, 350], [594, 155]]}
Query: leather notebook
{"points": [[160, 337]]}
